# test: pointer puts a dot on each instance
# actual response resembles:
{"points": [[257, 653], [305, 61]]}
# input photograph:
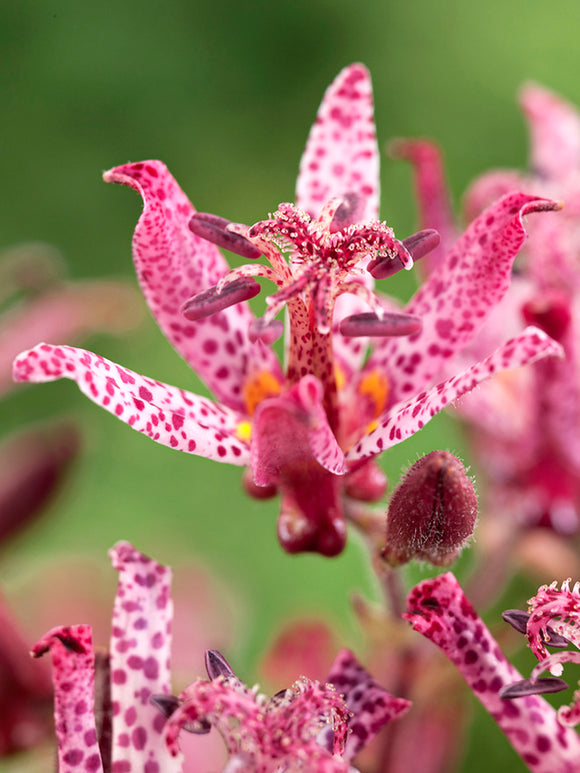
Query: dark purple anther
{"points": [[168, 704], [530, 687], [369, 324], [268, 333], [519, 620], [209, 302], [216, 665], [214, 229], [417, 245], [349, 212]]}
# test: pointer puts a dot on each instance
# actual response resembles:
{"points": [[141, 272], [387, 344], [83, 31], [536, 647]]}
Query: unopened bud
{"points": [[432, 512]]}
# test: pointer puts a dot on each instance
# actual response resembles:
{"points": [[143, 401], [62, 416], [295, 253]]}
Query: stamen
{"points": [[416, 246], [216, 665], [369, 324], [211, 301], [530, 687], [215, 229], [268, 332], [519, 620], [168, 704]]}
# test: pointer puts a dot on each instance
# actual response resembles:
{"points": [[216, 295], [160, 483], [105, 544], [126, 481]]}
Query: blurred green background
{"points": [[224, 92]]}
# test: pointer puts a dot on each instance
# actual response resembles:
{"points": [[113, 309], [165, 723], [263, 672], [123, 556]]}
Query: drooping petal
{"points": [[170, 416], [435, 210], [67, 313], [140, 652], [455, 301], [73, 661], [555, 132], [294, 448], [438, 609], [341, 154], [371, 705], [173, 264], [406, 418]]}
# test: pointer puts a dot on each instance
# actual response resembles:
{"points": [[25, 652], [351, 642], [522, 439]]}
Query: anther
{"points": [[168, 704], [350, 211], [530, 687], [211, 301], [519, 620], [215, 229], [369, 324], [216, 665], [417, 246]]}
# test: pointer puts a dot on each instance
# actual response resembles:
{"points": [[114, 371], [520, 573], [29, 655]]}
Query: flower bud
{"points": [[432, 512]]}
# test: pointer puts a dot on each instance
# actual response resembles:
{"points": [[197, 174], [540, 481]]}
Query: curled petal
{"points": [[73, 661], [341, 155], [455, 301], [140, 651], [216, 230], [438, 609], [173, 264], [170, 416], [406, 418], [555, 132]]}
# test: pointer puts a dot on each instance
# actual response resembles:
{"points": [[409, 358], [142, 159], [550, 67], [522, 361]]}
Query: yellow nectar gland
{"points": [[244, 431], [257, 388], [375, 387]]}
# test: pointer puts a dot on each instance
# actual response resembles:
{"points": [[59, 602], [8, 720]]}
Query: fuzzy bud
{"points": [[432, 512]]}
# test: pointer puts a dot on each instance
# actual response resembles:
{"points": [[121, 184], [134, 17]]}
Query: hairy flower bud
{"points": [[432, 512]]}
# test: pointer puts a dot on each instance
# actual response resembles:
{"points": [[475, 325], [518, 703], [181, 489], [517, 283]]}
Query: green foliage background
{"points": [[224, 92]]}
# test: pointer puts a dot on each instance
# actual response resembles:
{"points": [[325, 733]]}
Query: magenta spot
{"points": [[121, 766], [90, 737], [210, 346], [177, 420], [221, 451], [81, 708], [151, 766], [130, 716], [135, 662], [145, 394], [73, 756], [93, 763], [139, 738], [151, 668], [140, 624], [444, 327], [157, 640]]}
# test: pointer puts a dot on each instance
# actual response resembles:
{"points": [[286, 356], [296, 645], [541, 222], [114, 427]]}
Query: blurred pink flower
{"points": [[525, 425], [313, 432], [123, 725]]}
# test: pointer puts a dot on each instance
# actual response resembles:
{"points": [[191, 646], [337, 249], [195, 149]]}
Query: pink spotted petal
{"points": [[370, 704], [73, 661], [173, 264], [140, 650], [170, 416], [341, 154], [406, 418], [438, 609], [488, 188], [435, 210], [555, 132], [455, 301]]}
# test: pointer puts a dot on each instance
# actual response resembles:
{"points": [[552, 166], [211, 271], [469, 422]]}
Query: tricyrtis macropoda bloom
{"points": [[132, 723], [309, 430]]}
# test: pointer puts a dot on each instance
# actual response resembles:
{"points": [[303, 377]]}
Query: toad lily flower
{"points": [[312, 430], [525, 427], [123, 726], [552, 621], [438, 609]]}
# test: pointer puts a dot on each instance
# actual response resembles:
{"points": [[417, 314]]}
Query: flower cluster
{"points": [[313, 429]]}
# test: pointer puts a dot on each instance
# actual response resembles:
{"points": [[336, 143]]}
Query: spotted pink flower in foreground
{"points": [[525, 427], [123, 726], [312, 430], [438, 609]]}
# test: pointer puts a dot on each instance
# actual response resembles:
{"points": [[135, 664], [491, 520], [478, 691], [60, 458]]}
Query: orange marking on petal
{"points": [[257, 388], [375, 387]]}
